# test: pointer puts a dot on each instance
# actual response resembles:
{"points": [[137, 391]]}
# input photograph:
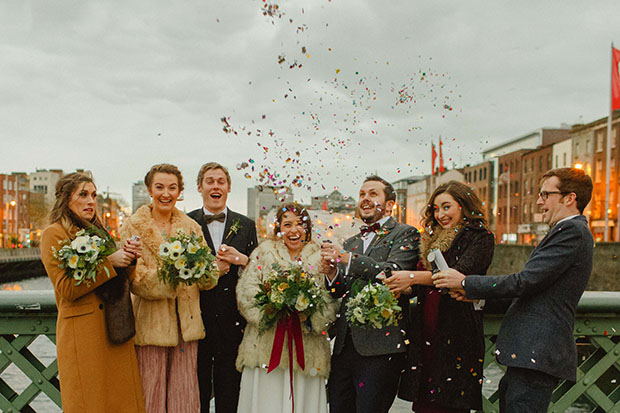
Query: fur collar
{"points": [[437, 238], [274, 251], [150, 234]]}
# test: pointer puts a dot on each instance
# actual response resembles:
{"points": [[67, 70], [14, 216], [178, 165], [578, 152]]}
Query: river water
{"points": [[45, 351]]}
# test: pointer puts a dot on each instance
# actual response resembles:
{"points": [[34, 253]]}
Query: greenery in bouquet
{"points": [[81, 257], [287, 291], [186, 259], [373, 306]]}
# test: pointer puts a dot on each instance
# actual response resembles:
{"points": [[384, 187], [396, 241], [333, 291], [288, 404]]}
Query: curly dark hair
{"points": [[298, 210]]}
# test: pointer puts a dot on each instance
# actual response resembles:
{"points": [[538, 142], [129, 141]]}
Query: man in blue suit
{"points": [[535, 340]]}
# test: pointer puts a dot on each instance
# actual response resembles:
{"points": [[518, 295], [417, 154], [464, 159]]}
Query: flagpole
{"points": [[508, 209], [608, 151]]}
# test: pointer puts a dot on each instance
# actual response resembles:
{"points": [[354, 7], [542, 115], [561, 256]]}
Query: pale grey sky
{"points": [[117, 86]]}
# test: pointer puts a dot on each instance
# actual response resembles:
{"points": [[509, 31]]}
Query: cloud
{"points": [[118, 86]]}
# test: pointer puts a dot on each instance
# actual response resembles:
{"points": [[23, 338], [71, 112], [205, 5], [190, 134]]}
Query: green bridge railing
{"points": [[27, 315]]}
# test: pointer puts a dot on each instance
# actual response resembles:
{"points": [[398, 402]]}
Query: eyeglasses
{"points": [[545, 194]]}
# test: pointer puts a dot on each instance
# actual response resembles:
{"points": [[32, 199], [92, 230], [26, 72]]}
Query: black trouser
{"points": [[219, 364], [525, 390], [363, 384]]}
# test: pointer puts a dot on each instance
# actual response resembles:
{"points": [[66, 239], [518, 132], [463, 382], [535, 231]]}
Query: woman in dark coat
{"points": [[446, 351]]}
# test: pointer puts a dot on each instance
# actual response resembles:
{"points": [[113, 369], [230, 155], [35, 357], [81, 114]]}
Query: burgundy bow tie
{"points": [[364, 229]]}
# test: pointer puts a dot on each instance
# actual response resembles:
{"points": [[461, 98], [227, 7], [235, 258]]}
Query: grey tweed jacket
{"points": [[396, 247]]}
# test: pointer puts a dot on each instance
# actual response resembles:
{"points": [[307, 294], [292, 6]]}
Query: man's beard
{"points": [[378, 214]]}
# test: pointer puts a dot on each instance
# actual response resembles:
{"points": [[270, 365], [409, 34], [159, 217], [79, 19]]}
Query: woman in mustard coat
{"points": [[95, 375]]}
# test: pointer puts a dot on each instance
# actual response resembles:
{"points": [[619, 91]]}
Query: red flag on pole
{"points": [[441, 168], [615, 79], [434, 158]]}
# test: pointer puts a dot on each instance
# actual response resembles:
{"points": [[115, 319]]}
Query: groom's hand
{"points": [[330, 257]]}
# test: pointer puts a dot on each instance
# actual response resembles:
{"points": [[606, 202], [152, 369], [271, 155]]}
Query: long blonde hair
{"points": [[61, 213]]}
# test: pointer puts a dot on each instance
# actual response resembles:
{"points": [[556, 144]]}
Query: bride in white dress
{"points": [[263, 392]]}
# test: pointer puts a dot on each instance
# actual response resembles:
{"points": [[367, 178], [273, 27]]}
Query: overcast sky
{"points": [[327, 91]]}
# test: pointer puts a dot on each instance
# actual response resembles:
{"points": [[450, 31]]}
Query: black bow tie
{"points": [[217, 217], [364, 229]]}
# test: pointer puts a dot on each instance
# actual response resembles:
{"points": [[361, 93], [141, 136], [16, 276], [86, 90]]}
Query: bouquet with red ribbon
{"points": [[286, 297]]}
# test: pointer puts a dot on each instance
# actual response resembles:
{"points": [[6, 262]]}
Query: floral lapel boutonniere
{"points": [[234, 228], [382, 232]]}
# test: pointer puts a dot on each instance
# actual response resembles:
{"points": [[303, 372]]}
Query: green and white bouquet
{"points": [[373, 306], [82, 256], [186, 259], [284, 292]]}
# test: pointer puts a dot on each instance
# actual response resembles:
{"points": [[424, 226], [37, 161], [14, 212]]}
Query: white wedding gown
{"points": [[270, 393]]}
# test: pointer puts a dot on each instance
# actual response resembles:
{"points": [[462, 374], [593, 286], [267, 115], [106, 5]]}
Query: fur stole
{"points": [[150, 234], [437, 238]]}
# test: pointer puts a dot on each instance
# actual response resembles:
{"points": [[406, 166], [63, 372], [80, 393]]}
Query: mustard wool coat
{"points": [[95, 375], [155, 304]]}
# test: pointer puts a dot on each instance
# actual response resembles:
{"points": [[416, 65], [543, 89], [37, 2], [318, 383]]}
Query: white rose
{"points": [[180, 263], [302, 302], [72, 262], [277, 297], [192, 248]]}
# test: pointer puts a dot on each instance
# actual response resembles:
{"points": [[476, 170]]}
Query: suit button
{"points": [[101, 306]]}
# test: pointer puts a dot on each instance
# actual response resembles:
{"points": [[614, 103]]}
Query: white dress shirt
{"points": [[216, 229], [367, 239]]}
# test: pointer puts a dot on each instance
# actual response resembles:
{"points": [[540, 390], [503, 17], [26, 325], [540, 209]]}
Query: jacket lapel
{"points": [[357, 244], [384, 230], [205, 229], [230, 220], [555, 228]]}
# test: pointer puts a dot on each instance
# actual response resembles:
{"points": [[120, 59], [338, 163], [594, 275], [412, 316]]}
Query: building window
{"points": [[564, 164], [599, 142], [576, 148], [475, 176], [556, 161], [588, 147], [485, 173]]}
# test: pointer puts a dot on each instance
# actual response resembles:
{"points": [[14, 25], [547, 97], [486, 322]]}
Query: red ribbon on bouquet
{"points": [[291, 328]]}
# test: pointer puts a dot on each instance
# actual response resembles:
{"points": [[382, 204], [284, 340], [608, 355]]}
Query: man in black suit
{"points": [[535, 340], [367, 362], [232, 237]]}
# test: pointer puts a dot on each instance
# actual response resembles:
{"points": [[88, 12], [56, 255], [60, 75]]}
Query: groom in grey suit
{"points": [[367, 362], [535, 340]]}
